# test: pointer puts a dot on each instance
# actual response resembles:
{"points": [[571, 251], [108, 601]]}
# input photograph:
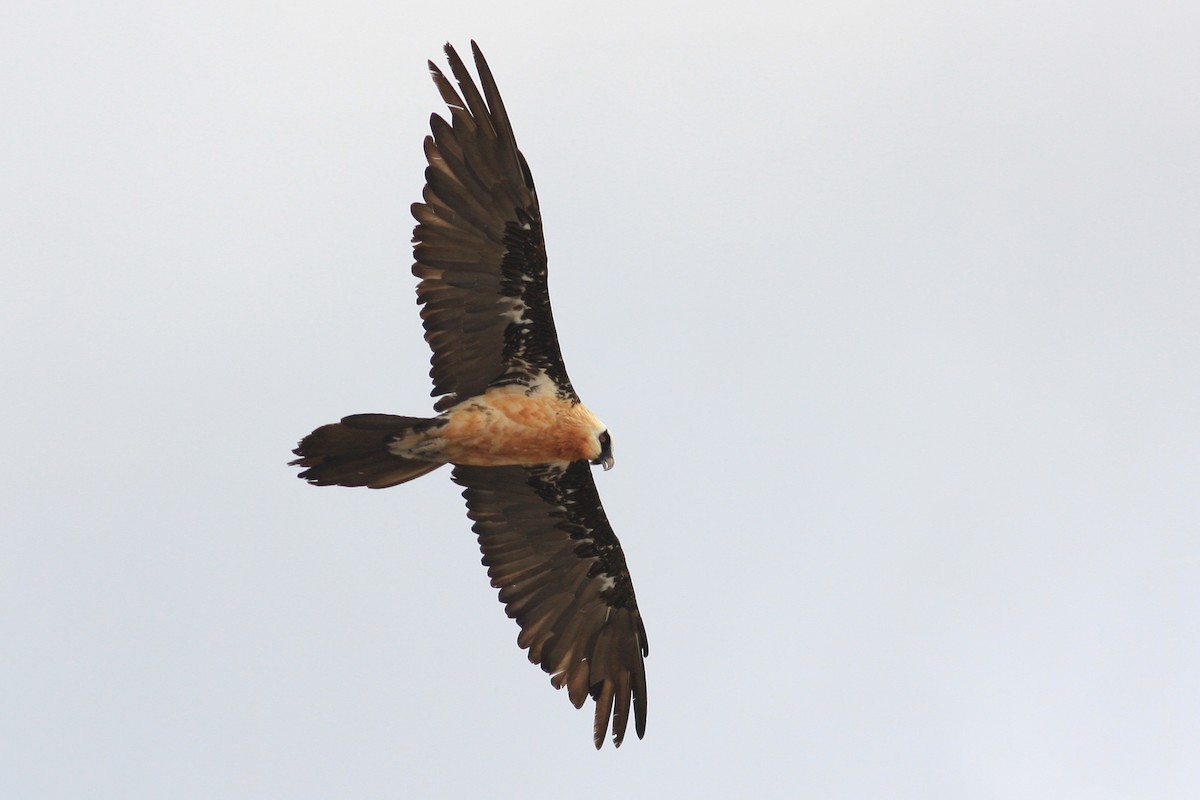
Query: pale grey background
{"points": [[891, 307]]}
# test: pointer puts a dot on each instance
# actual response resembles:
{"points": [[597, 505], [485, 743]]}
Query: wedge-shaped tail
{"points": [[354, 452]]}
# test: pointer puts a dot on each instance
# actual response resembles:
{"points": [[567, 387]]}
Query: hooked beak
{"points": [[606, 461]]}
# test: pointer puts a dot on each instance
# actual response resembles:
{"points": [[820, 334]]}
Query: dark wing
{"points": [[561, 574], [479, 249]]}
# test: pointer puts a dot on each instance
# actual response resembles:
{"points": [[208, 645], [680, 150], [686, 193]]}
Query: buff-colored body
{"points": [[507, 425]]}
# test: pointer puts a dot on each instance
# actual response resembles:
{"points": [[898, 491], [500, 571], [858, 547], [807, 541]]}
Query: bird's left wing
{"points": [[561, 573]]}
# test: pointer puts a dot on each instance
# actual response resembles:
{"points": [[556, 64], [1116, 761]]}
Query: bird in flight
{"points": [[520, 441]]}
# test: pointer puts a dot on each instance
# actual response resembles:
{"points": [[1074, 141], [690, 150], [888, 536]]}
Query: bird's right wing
{"points": [[479, 249]]}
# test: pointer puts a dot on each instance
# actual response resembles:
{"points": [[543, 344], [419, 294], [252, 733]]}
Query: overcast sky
{"points": [[893, 310]]}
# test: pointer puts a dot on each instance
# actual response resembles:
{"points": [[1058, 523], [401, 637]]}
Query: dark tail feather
{"points": [[354, 452]]}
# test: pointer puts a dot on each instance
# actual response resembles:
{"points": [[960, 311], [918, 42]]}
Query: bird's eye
{"points": [[604, 438]]}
